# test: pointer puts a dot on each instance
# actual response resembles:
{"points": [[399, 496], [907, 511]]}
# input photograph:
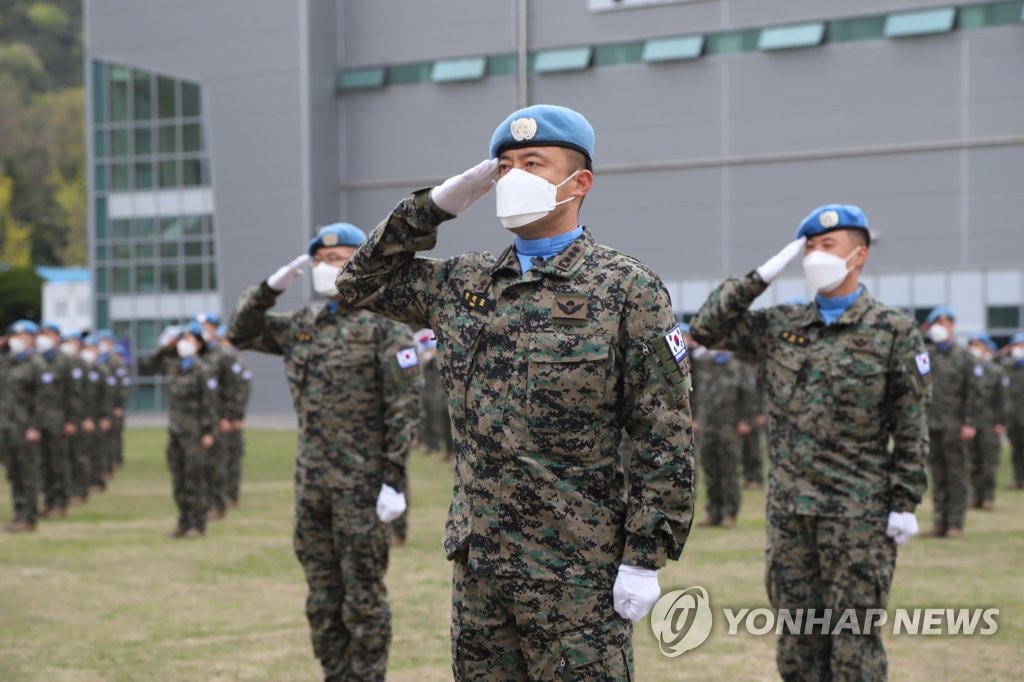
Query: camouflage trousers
{"points": [[216, 474], [984, 461], [343, 549], [829, 563], [948, 465], [98, 458], [720, 455], [55, 467], [234, 448], [187, 461], [506, 628], [117, 443], [23, 475], [1016, 434], [753, 457], [81, 463]]}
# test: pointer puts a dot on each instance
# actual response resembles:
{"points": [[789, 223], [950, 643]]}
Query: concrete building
{"points": [[67, 297], [223, 133]]}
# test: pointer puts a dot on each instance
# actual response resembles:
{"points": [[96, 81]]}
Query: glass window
{"points": [[122, 329], [620, 53], [168, 173], [170, 228], [463, 69], [921, 314], [409, 73], [143, 175], [121, 229], [99, 177], [101, 253], [165, 97], [1003, 317], [145, 250], [121, 251], [168, 278], [145, 227], [192, 172], [169, 249], [99, 144], [120, 177], [145, 279], [119, 77], [142, 104], [919, 23], [563, 59], [99, 99], [991, 14], [189, 99], [670, 49], [194, 277], [191, 138], [733, 42], [168, 142], [143, 141], [210, 247], [101, 280], [119, 142], [144, 397], [147, 333], [788, 37], [101, 217], [358, 79], [502, 65], [193, 249], [211, 272], [193, 224], [122, 280], [861, 28], [102, 314]]}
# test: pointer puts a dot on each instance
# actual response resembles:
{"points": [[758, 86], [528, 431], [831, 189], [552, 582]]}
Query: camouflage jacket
{"points": [[21, 385], [956, 390], [1015, 373], [61, 396], [192, 387], [994, 385], [543, 370], [99, 402], [232, 388], [833, 396], [117, 374], [725, 394], [354, 378]]}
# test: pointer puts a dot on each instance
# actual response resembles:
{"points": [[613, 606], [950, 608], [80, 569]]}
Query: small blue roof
{"points": [[62, 275]]}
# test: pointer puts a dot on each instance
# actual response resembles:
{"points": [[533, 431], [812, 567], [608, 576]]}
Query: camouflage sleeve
{"points": [[908, 392], [401, 392], [384, 274], [656, 416], [209, 402], [232, 389], [749, 405], [974, 396], [1002, 398], [74, 393], [253, 328], [725, 320]]}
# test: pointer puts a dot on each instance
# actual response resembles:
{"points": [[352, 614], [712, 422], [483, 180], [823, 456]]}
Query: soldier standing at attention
{"points": [[118, 383], [100, 400], [753, 450], [20, 411], [354, 378], [82, 443], [1013, 363], [990, 420], [435, 426], [546, 354], [234, 440], [841, 375], [221, 361], [951, 423], [61, 406]]}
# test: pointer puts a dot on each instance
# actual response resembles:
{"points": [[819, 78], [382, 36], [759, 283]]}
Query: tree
{"points": [[21, 295], [17, 244]]}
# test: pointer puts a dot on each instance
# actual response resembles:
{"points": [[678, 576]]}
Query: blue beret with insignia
{"points": [[23, 327], [105, 335], [49, 326], [834, 217], [195, 328], [71, 334], [337, 234], [544, 125], [983, 338], [208, 317], [1017, 338], [940, 311], [90, 340]]}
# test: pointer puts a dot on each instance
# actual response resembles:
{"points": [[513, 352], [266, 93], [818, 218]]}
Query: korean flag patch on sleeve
{"points": [[407, 358], [211, 384], [924, 364], [676, 344]]}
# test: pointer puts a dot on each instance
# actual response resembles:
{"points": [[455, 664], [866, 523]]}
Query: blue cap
{"points": [[71, 334], [105, 335], [222, 330], [940, 311], [208, 317], [983, 337], [49, 326], [337, 234], [1017, 338], [90, 340], [834, 217], [544, 125], [23, 327], [195, 328]]}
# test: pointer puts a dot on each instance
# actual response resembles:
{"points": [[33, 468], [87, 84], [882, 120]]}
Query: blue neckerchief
{"points": [[22, 355], [831, 308], [104, 357], [545, 247], [722, 358], [944, 346], [332, 307], [50, 353], [187, 362], [1019, 363]]}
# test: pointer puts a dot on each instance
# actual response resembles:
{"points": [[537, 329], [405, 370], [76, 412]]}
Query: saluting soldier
{"points": [[234, 440], [222, 362], [19, 403], [1014, 365], [990, 420]]}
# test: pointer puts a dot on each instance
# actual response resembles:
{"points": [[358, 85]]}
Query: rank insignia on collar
{"points": [[794, 338], [303, 336], [475, 301], [570, 307]]}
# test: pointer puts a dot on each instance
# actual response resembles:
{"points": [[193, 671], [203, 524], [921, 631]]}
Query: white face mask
{"points": [[17, 345], [186, 348], [88, 354], [68, 349], [522, 198], [938, 333], [44, 343], [978, 353], [825, 271], [1017, 352], [324, 277]]}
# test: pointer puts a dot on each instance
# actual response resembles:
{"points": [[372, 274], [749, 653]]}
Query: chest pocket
{"points": [[567, 384], [858, 387], [782, 373]]}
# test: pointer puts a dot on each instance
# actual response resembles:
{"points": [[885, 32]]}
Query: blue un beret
{"points": [[338, 234], [23, 327], [49, 326], [1017, 338], [105, 335], [982, 337], [195, 328], [940, 311], [544, 125], [834, 217], [212, 318]]}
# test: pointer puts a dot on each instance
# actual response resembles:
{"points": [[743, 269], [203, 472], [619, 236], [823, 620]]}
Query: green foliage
{"points": [[48, 17], [21, 295]]}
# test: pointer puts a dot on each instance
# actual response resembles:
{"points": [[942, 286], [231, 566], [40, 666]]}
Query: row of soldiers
{"points": [[62, 398]]}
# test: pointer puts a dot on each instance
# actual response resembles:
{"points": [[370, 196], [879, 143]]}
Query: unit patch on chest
{"points": [[303, 336], [794, 338], [570, 308]]}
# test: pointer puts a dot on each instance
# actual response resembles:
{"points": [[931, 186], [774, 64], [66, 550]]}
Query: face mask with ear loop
{"points": [[522, 198], [825, 271], [324, 278]]}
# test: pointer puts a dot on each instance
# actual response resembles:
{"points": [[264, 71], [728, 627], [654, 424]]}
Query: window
{"points": [[99, 98], [463, 69], [143, 141], [168, 278], [190, 99], [733, 42], [358, 79], [102, 314], [101, 217], [119, 77], [121, 229], [99, 144], [194, 277], [120, 177], [144, 227], [165, 88], [410, 73], [168, 143], [992, 14], [616, 54], [119, 142], [145, 279], [191, 139], [923, 22], [122, 280], [1003, 317], [672, 49], [168, 174], [142, 103], [566, 59], [145, 250], [502, 65], [99, 177], [192, 172], [143, 175], [788, 37]]}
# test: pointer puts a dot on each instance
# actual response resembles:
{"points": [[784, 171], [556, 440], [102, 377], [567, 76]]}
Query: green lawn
{"points": [[102, 595]]}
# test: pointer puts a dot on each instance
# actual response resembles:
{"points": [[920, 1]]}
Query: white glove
{"points": [[459, 192], [777, 263], [635, 592], [286, 275], [902, 526], [170, 333], [390, 504]]}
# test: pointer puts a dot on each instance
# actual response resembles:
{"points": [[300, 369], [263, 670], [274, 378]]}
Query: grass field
{"points": [[101, 595]]}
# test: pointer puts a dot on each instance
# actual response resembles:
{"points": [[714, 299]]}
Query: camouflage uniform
{"points": [[726, 398], [435, 427], [753, 447], [20, 407], [1015, 423], [240, 383], [192, 412], [957, 401], [354, 380], [984, 449], [118, 383], [834, 396], [102, 385], [543, 370], [6, 427], [61, 401], [82, 444], [222, 362]]}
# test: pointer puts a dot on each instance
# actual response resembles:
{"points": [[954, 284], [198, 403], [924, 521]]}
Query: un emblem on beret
{"points": [[523, 129], [329, 239], [828, 219]]}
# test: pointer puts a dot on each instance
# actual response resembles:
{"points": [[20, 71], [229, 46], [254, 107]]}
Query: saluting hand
{"points": [[777, 263], [287, 274], [459, 192]]}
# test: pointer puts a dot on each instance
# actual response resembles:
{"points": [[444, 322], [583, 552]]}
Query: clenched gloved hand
{"points": [[459, 192], [777, 263], [390, 504], [902, 526], [635, 592], [286, 275]]}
